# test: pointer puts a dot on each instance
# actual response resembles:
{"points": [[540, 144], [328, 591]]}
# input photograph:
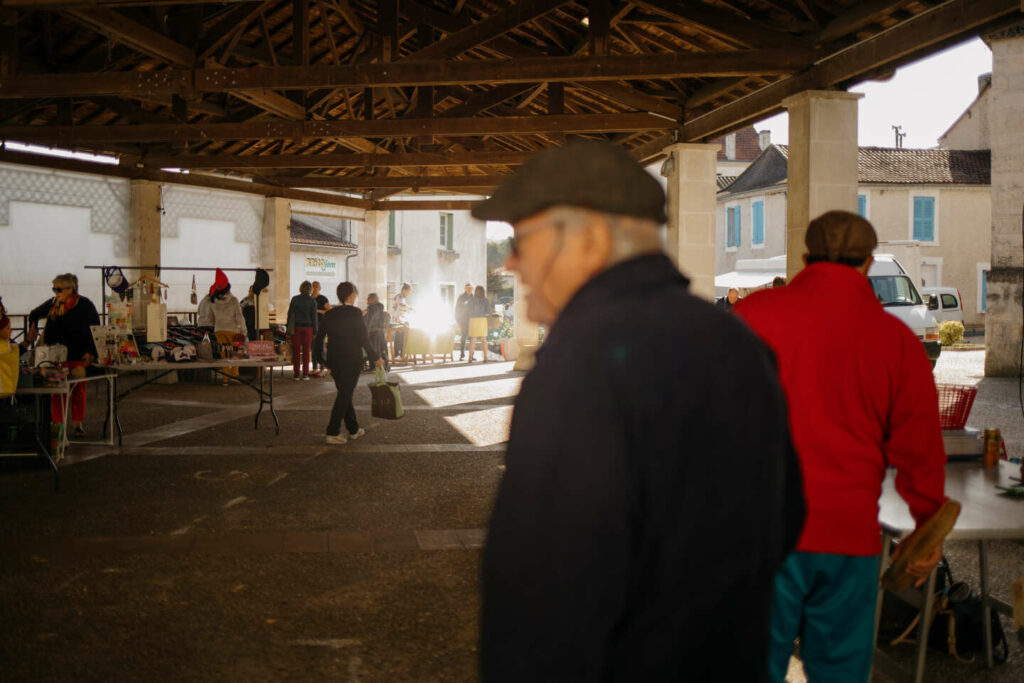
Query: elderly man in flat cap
{"points": [[856, 406], [637, 530]]}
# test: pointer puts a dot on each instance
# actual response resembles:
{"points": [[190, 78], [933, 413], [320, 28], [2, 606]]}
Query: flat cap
{"points": [[840, 235], [588, 174]]}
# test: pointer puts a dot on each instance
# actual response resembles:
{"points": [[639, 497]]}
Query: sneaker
{"points": [[306, 378], [336, 440], [297, 378], [361, 432], [79, 432]]}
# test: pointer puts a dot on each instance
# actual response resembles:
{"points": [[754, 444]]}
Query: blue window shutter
{"points": [[758, 237], [862, 205], [924, 219], [730, 223], [984, 290], [737, 219], [391, 228]]}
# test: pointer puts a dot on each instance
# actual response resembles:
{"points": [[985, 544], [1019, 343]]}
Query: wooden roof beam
{"points": [[486, 29], [723, 23], [336, 160], [862, 14], [310, 130], [118, 27], [194, 179], [404, 73], [893, 47], [363, 182]]}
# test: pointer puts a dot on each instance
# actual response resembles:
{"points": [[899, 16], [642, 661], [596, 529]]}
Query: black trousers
{"points": [[345, 380], [464, 334], [380, 343], [399, 339]]}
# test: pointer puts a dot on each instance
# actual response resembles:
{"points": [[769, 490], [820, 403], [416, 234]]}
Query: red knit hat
{"points": [[220, 281]]}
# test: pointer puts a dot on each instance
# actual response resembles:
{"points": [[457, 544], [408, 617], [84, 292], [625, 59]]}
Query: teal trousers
{"points": [[828, 601]]}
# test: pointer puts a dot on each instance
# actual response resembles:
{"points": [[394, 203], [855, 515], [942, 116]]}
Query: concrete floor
{"points": [[207, 550]]}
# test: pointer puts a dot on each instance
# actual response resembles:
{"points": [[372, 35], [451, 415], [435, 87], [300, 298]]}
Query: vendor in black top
{"points": [[68, 317], [345, 331]]}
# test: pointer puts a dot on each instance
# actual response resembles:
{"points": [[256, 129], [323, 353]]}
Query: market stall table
{"points": [[157, 369], [985, 515], [41, 422]]}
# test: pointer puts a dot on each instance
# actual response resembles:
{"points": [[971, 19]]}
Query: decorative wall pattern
{"points": [[245, 211], [108, 199]]}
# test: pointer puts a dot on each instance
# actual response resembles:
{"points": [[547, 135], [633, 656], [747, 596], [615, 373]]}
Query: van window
{"points": [[895, 290], [949, 301]]}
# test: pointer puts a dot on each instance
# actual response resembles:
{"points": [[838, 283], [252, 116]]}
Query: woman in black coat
{"points": [[345, 331], [68, 317]]}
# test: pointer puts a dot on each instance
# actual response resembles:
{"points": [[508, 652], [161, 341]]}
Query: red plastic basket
{"points": [[955, 401]]}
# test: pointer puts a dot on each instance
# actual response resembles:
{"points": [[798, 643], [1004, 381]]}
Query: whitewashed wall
{"points": [[327, 266], [54, 222], [418, 237]]}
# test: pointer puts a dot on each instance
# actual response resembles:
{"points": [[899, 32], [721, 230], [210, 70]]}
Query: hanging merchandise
{"points": [[116, 280], [194, 299]]}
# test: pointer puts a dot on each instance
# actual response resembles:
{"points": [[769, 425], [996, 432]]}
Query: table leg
{"points": [[922, 629], [986, 608], [117, 415], [273, 413]]}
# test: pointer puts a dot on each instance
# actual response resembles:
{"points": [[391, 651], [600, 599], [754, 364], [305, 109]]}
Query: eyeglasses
{"points": [[515, 241], [58, 290]]}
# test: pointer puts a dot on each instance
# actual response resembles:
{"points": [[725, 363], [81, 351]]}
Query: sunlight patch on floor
{"points": [[440, 397], [452, 372], [484, 427]]}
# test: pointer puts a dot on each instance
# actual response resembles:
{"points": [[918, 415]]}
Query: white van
{"points": [[897, 293], [945, 303]]}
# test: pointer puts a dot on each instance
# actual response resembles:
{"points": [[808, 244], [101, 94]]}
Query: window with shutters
{"points": [[757, 224], [862, 205], [392, 236], [923, 219], [732, 228], [447, 229], [983, 269]]}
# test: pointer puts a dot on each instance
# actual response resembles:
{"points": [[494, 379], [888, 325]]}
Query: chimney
{"points": [[984, 80], [764, 138], [730, 147]]}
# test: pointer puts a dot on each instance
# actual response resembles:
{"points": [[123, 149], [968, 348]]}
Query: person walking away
{"points": [[462, 317], [68, 316], [399, 311], [303, 321], [346, 337], [636, 530], [377, 323], [228, 320], [323, 304], [852, 415], [479, 309]]}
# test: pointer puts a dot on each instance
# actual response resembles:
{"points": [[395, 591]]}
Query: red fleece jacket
{"points": [[861, 397]]}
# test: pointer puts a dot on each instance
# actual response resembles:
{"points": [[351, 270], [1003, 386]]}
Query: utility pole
{"points": [[898, 130]]}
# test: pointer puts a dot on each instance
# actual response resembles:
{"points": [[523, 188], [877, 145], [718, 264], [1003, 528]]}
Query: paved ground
{"points": [[207, 550]]}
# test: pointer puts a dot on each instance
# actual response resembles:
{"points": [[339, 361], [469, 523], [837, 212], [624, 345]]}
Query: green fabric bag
{"points": [[385, 397]]}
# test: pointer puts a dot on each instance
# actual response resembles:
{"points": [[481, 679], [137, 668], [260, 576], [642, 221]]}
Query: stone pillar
{"points": [[822, 163], [690, 238], [525, 331], [1003, 318], [145, 213], [275, 252], [373, 255]]}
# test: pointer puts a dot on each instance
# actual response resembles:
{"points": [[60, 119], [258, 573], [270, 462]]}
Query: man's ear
{"points": [[598, 242]]}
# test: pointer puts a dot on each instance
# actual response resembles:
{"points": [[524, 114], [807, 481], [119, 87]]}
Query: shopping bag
{"points": [[477, 327], [9, 354], [385, 398]]}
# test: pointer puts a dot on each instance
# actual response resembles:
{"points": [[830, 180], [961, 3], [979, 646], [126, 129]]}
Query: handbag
{"points": [[385, 397], [957, 626]]}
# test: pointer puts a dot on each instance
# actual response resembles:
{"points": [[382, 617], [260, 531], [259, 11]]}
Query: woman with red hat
{"points": [[228, 320]]}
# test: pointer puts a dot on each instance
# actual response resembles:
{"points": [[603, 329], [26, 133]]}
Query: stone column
{"points": [[525, 331], [145, 213], [275, 252], [822, 163], [373, 255], [1003, 317], [690, 239]]}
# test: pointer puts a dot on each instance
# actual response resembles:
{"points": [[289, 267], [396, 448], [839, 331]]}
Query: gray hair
{"points": [[631, 236], [67, 279]]}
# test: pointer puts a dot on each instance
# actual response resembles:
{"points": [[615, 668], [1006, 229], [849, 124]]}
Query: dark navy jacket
{"points": [[650, 494], [346, 337]]}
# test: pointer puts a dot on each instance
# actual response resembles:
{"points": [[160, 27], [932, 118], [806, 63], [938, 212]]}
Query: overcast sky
{"points": [[925, 98]]}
